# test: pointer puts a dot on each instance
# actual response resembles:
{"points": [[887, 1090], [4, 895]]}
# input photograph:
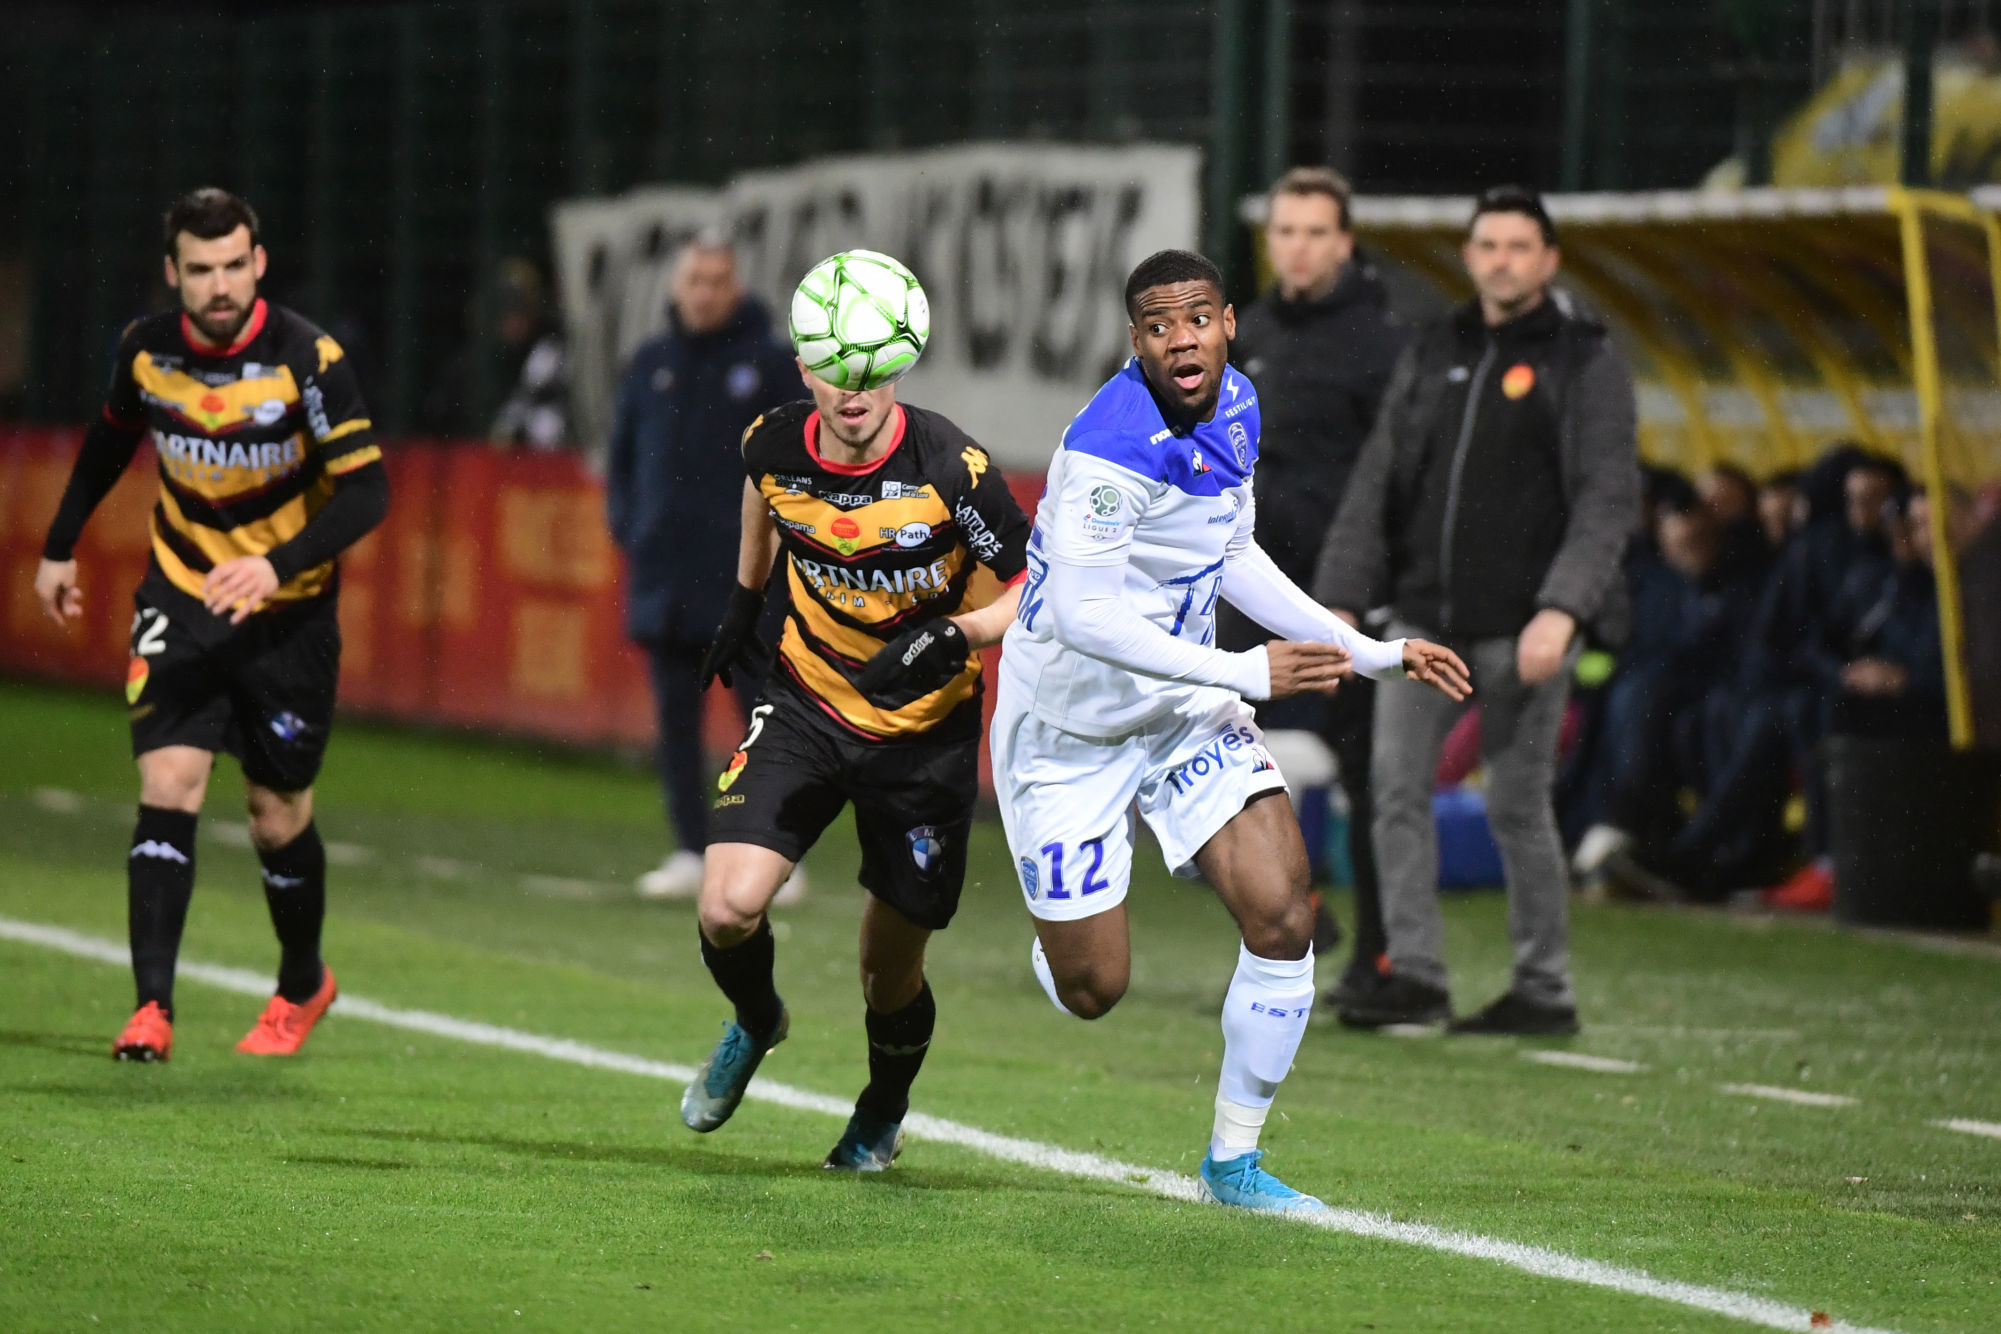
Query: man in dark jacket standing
{"points": [[1319, 347], [1489, 510], [673, 493]]}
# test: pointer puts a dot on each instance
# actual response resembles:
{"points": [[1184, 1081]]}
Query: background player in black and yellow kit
{"points": [[883, 511], [268, 471]]}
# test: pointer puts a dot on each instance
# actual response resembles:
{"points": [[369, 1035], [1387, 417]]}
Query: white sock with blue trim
{"points": [[1264, 1019]]}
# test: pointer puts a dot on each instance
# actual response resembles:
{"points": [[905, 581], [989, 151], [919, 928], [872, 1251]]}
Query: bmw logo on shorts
{"points": [[927, 849], [1031, 877]]}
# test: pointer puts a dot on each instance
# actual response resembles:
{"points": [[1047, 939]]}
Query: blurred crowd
{"points": [[1768, 618]]}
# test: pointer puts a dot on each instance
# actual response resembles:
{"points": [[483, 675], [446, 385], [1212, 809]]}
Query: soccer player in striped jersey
{"points": [[883, 513], [268, 471]]}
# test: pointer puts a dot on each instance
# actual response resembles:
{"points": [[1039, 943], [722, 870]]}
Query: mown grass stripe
{"points": [[1538, 1260]]}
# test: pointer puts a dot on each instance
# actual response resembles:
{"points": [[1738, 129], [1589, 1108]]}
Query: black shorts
{"points": [[262, 691], [913, 801]]}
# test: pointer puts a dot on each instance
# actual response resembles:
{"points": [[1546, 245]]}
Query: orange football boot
{"points": [[148, 1035], [1811, 889], [283, 1027]]}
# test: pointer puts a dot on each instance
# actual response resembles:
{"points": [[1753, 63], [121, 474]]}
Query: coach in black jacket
{"points": [[1319, 347], [1489, 510], [674, 496]]}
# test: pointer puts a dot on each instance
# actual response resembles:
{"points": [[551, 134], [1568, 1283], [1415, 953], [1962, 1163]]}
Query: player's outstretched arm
{"points": [[1437, 666], [1255, 586]]}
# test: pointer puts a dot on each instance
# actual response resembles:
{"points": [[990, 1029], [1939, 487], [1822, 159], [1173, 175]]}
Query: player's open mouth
{"points": [[854, 414], [1188, 378]]}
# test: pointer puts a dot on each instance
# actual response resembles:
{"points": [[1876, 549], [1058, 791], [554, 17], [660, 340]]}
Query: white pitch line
{"points": [[1536, 1260], [1991, 1129], [1802, 1097], [1577, 1060]]}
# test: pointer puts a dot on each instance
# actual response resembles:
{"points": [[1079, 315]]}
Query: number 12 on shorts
{"points": [[1093, 882]]}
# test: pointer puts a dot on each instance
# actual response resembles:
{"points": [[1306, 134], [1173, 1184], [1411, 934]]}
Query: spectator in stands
{"points": [[509, 382], [1781, 508], [1319, 347], [1731, 498], [1490, 507], [674, 494], [1684, 728]]}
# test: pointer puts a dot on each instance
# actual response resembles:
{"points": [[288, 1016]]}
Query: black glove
{"points": [[736, 643], [922, 659]]}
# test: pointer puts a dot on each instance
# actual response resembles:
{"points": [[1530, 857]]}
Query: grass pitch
{"points": [[391, 1181]]}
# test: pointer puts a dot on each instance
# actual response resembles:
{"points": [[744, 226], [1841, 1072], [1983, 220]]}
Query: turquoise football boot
{"points": [[1242, 1184], [869, 1144], [718, 1086]]}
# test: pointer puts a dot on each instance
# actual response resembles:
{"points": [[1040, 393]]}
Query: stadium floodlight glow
{"points": [[860, 320]]}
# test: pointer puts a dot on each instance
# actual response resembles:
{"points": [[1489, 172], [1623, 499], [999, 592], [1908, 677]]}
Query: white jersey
{"points": [[1127, 488]]}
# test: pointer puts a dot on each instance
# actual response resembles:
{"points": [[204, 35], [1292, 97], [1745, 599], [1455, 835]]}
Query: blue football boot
{"points": [[718, 1086], [869, 1144], [1242, 1184]]}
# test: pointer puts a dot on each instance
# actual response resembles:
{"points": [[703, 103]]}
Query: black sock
{"points": [[160, 879], [295, 887], [744, 974], [896, 1046]]}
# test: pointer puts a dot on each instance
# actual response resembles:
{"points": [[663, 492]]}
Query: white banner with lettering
{"points": [[1023, 251]]}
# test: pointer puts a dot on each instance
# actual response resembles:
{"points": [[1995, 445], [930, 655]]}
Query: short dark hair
{"points": [[207, 214], [1318, 181], [1164, 267], [1514, 199]]}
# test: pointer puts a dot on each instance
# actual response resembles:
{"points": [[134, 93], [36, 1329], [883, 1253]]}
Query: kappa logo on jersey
{"points": [[976, 462], [1031, 877], [927, 848], [1240, 444], [329, 351], [1214, 757]]}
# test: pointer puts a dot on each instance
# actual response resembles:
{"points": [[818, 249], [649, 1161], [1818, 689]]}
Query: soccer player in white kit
{"points": [[1112, 692]]}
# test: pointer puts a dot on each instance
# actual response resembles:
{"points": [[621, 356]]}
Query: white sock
{"points": [[1040, 962], [1264, 1018]]}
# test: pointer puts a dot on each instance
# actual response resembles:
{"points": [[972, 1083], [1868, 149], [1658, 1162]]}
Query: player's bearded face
{"points": [[855, 416], [1181, 333], [217, 280]]}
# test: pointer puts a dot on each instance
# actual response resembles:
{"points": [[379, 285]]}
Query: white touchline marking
{"points": [[1991, 1129], [58, 800], [1801, 1096], [1577, 1060], [1537, 1260]]}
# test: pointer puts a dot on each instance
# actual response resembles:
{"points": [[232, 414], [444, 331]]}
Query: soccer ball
{"points": [[860, 320]]}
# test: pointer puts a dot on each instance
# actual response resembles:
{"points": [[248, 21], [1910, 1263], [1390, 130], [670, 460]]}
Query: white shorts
{"points": [[1067, 800]]}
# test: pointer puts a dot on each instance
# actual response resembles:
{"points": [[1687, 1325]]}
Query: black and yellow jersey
{"points": [[249, 438], [871, 551]]}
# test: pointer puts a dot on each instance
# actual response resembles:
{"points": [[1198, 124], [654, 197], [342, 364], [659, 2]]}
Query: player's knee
{"points": [[1092, 994], [276, 818], [1282, 931], [887, 990], [726, 919]]}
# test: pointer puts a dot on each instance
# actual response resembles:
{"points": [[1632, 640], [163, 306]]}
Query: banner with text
{"points": [[1023, 251]]}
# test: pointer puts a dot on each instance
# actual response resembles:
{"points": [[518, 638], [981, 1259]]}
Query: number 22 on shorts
{"points": [[1093, 882]]}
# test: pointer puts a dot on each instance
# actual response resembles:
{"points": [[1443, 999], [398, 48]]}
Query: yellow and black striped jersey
{"points": [[249, 437], [871, 551]]}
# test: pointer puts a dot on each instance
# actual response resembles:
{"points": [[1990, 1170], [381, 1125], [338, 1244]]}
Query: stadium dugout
{"points": [[1767, 324]]}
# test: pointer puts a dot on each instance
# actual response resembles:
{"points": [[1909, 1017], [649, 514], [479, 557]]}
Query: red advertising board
{"points": [[491, 598]]}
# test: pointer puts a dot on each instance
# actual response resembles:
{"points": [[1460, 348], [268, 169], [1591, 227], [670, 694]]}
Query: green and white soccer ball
{"points": [[860, 320]]}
